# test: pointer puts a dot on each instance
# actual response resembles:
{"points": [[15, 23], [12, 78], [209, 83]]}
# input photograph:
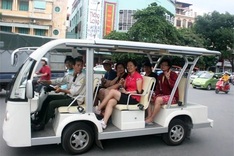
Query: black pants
{"points": [[49, 105]]}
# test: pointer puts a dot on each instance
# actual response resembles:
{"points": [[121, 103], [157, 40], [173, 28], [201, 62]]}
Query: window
{"points": [[80, 11], [190, 24], [178, 23], [57, 9], [7, 29], [23, 5], [126, 19], [41, 5], [40, 32], [55, 32], [7, 4], [23, 30], [184, 23]]}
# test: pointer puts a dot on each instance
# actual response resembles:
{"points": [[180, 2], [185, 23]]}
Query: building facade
{"points": [[34, 17], [97, 18], [184, 17]]}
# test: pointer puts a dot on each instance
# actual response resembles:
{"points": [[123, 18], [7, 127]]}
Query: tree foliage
{"points": [[121, 57], [218, 31], [117, 36], [152, 26], [189, 38]]}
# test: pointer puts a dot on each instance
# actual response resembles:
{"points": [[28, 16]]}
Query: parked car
{"points": [[206, 80], [195, 75]]}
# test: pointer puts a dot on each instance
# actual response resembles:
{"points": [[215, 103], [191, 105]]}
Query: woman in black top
{"points": [[113, 84]]}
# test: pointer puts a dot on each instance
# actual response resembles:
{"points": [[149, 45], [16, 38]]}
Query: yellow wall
{"points": [[47, 19]]}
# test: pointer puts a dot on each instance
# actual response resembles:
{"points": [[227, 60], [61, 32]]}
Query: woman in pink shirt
{"points": [[131, 85]]}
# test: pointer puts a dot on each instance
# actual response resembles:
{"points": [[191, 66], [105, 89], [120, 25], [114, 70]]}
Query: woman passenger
{"points": [[131, 85], [166, 82], [113, 84]]}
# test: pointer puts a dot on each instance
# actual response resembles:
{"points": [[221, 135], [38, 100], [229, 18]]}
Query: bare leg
{"points": [[113, 94], [109, 109], [149, 111], [103, 94], [157, 107]]}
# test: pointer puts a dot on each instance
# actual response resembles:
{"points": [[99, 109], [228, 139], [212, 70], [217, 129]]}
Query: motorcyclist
{"points": [[225, 78]]}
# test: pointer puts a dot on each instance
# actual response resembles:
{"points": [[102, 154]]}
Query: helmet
{"points": [[44, 59]]}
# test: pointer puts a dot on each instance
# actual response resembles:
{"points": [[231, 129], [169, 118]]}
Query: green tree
{"points": [[218, 31], [189, 38], [117, 36], [152, 26], [123, 57]]}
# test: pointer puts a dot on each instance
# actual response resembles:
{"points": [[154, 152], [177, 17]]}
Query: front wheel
{"points": [[209, 87], [216, 91], [77, 138], [176, 133]]}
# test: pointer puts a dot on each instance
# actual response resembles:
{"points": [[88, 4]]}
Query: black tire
{"points": [[77, 138], [177, 132], [226, 92], [208, 87], [194, 87], [216, 91]]}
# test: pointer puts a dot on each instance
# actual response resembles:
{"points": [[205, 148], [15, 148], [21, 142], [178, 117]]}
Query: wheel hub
{"points": [[79, 139], [177, 133]]}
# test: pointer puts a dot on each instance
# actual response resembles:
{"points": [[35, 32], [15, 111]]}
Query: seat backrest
{"points": [[181, 88], [95, 87], [148, 82], [95, 90]]}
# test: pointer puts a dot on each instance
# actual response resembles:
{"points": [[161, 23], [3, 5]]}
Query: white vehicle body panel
{"points": [[17, 123]]}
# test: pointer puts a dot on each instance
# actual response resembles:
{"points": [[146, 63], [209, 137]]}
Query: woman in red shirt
{"points": [[165, 84], [131, 85]]}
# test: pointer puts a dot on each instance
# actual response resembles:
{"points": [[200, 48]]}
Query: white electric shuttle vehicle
{"points": [[77, 127]]}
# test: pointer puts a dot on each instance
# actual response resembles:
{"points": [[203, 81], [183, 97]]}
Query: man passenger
{"points": [[75, 87], [110, 73]]}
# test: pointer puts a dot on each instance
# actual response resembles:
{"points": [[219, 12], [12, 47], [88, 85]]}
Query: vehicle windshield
{"points": [[206, 75], [199, 73], [19, 88]]}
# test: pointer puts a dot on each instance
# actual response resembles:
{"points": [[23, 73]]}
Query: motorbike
{"points": [[221, 86]]}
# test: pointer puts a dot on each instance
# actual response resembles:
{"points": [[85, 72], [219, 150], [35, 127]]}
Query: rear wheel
{"points": [[209, 87], [77, 138], [176, 133]]}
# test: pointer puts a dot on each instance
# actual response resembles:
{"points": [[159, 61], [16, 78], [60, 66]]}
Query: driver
{"points": [[225, 78], [75, 86]]}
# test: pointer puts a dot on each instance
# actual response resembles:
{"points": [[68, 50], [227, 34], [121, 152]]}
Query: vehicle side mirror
{"points": [[29, 89]]}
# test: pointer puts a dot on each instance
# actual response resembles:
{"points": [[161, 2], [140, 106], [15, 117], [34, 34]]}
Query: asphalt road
{"points": [[216, 141]]}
